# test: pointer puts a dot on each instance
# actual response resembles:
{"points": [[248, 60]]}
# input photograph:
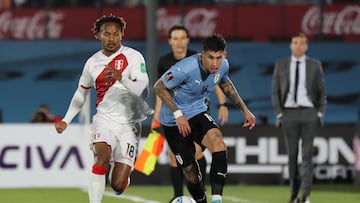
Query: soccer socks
{"points": [[96, 186], [218, 172], [216, 199], [177, 180], [202, 165]]}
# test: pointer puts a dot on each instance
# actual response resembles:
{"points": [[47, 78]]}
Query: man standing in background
{"points": [[299, 100]]}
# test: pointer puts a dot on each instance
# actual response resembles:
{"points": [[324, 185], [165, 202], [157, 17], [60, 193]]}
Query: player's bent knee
{"points": [[192, 173], [117, 184], [214, 142]]}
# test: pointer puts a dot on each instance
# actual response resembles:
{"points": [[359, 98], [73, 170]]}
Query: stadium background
{"points": [[43, 51]]}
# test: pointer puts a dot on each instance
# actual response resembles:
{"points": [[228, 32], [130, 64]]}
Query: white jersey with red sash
{"points": [[116, 101]]}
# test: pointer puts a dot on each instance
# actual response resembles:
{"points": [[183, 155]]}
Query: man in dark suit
{"points": [[299, 100]]}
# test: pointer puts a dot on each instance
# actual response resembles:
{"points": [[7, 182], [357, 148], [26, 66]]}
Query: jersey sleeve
{"points": [[86, 80], [173, 77], [79, 97], [138, 82], [226, 67]]}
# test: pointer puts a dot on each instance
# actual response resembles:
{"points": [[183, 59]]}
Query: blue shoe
{"points": [[216, 201]]}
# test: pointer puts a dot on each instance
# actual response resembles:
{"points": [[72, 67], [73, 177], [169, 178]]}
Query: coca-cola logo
{"points": [[345, 21], [40, 25], [199, 21]]}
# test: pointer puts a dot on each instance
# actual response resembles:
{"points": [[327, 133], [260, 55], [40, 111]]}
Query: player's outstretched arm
{"points": [[223, 114], [60, 126], [230, 91]]}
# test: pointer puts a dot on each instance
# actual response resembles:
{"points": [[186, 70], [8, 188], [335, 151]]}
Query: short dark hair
{"points": [[215, 42], [105, 19], [178, 27], [299, 34]]}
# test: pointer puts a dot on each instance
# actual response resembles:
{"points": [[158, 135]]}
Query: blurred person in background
{"points": [[299, 100], [178, 39], [44, 115], [118, 74], [183, 90]]}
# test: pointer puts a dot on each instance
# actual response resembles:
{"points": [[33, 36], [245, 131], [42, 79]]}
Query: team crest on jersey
{"points": [[169, 76], [216, 78], [119, 64]]}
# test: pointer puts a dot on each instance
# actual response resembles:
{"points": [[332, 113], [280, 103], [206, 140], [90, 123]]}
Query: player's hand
{"points": [[155, 124], [60, 126], [250, 120], [183, 126], [223, 114], [112, 74]]}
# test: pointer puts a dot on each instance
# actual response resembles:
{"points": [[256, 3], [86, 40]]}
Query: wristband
{"points": [[223, 104], [177, 114]]}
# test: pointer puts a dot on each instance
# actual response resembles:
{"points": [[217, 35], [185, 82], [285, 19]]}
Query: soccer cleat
{"points": [[216, 201], [293, 199], [304, 199], [126, 185]]}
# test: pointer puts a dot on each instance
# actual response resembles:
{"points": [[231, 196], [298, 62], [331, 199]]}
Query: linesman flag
{"points": [[146, 161]]}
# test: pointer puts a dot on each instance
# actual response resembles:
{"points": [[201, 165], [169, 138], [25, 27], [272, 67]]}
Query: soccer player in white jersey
{"points": [[183, 90], [119, 76]]}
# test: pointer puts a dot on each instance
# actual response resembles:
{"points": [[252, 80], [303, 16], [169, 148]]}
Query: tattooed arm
{"points": [[165, 95], [163, 92], [230, 91]]}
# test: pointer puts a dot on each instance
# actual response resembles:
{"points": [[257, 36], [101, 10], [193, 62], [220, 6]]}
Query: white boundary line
{"points": [[142, 200], [241, 200], [124, 196]]}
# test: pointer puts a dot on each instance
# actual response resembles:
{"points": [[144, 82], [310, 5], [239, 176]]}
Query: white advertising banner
{"points": [[34, 155]]}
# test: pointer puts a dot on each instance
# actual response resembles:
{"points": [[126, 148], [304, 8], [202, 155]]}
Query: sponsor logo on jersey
{"points": [[169, 76]]}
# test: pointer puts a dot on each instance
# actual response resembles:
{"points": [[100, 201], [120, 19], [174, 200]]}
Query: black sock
{"points": [[218, 172], [197, 191], [177, 180], [202, 165]]}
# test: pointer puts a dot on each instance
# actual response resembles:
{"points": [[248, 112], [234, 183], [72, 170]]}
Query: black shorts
{"points": [[184, 146]]}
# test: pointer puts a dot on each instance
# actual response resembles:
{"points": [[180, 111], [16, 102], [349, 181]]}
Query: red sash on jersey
{"points": [[103, 82]]}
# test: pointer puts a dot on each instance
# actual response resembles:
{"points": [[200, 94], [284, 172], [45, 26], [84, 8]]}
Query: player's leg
{"points": [[200, 157], [218, 170], [176, 176], [124, 154], [210, 136], [102, 143], [184, 151], [119, 177], [96, 187]]}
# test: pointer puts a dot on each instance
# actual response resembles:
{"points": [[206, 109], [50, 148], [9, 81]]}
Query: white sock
{"points": [[96, 187], [216, 197]]}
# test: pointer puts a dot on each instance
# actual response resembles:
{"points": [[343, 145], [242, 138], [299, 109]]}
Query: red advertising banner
{"points": [[259, 23]]}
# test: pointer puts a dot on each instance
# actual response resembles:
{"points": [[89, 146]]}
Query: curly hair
{"points": [[105, 19]]}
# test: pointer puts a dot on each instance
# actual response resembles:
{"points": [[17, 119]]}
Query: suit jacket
{"points": [[315, 84]]}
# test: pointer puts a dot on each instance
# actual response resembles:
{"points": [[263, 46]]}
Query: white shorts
{"points": [[123, 138]]}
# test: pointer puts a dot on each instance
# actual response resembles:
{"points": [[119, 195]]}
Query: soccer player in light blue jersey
{"points": [[183, 90]]}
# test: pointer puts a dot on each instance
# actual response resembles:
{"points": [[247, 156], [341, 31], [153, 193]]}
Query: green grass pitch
{"points": [[330, 193]]}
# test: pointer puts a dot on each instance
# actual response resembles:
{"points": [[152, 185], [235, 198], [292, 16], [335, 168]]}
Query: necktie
{"points": [[296, 81]]}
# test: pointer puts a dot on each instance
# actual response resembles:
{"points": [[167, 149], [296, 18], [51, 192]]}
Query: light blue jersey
{"points": [[190, 86]]}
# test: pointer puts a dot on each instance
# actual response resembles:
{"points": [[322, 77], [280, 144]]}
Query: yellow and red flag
{"points": [[146, 161]]}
